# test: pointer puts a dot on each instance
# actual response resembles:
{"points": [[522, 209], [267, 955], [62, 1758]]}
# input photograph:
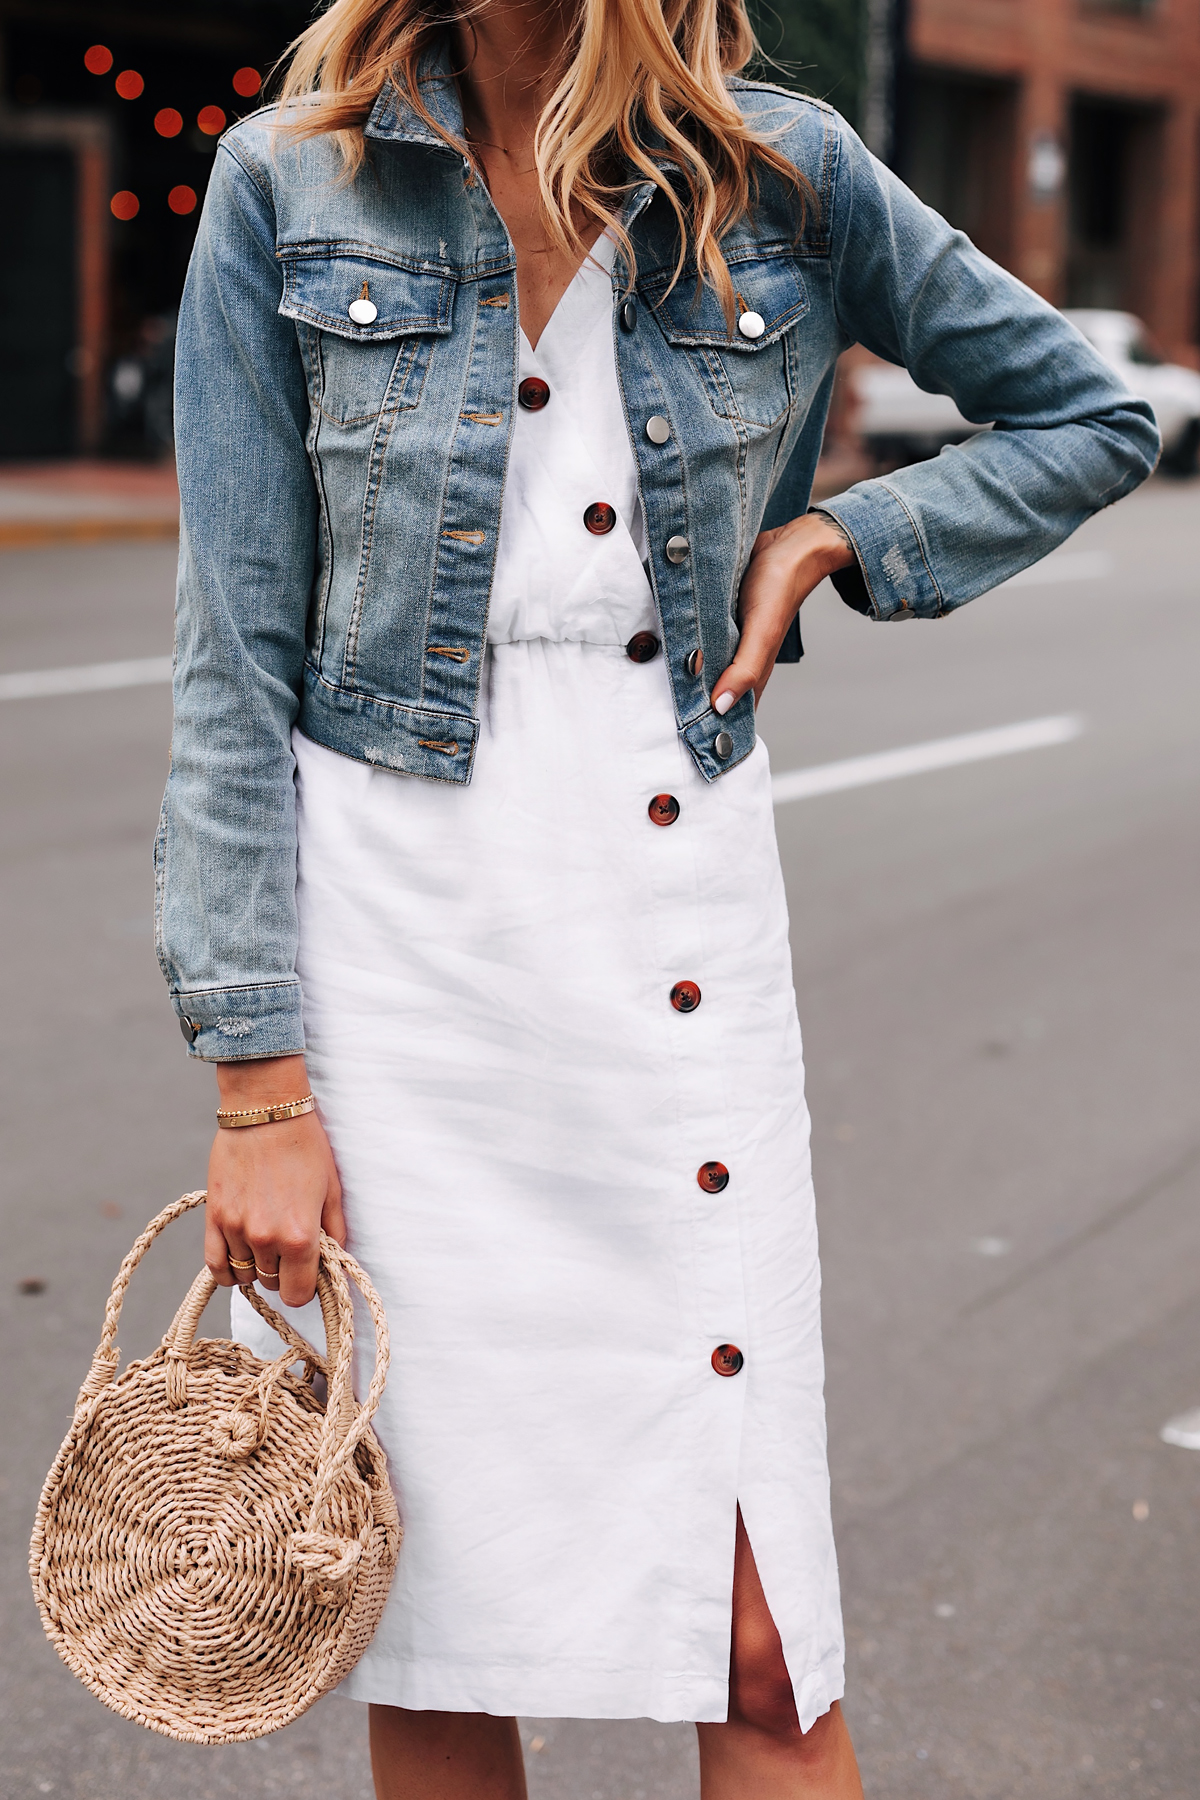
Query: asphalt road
{"points": [[998, 978]]}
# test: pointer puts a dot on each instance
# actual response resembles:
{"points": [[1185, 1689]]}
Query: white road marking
{"points": [[920, 759], [1183, 1429], [1064, 565], [87, 678]]}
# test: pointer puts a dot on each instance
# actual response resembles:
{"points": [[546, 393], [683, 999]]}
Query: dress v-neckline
{"points": [[599, 258]]}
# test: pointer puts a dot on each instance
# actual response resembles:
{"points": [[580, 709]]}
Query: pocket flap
{"points": [[772, 287], [321, 285]]}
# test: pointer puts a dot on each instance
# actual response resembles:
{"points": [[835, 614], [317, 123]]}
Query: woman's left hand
{"points": [[785, 566]]}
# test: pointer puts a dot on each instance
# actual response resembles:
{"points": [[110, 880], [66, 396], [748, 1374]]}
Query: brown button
{"points": [[727, 1359], [663, 809], [600, 518], [642, 647], [533, 393], [685, 996], [712, 1177]]}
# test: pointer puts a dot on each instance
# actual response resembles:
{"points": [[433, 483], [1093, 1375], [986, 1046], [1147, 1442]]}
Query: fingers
{"points": [[333, 1219], [266, 1270], [216, 1251], [297, 1281], [752, 665]]}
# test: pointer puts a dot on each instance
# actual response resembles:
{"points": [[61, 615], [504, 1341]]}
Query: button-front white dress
{"points": [[519, 1114]]}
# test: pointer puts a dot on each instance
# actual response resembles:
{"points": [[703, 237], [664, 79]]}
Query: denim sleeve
{"points": [[1067, 439], [225, 855]]}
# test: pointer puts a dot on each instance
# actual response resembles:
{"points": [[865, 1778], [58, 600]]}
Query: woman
{"points": [[502, 338]]}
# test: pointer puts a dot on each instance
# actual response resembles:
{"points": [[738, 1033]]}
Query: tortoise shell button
{"points": [[663, 809], [600, 518], [685, 996], [533, 393], [727, 1359], [713, 1177], [642, 647]]}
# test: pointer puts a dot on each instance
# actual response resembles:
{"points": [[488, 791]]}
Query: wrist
{"points": [[264, 1081], [814, 546], [830, 544]]}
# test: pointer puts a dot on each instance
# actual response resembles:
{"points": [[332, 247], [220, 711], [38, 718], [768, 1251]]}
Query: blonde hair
{"points": [[635, 69]]}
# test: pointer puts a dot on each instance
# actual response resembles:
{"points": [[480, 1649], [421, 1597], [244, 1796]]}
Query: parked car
{"points": [[901, 423]]}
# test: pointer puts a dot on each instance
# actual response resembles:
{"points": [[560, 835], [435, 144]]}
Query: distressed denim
{"points": [[342, 480]]}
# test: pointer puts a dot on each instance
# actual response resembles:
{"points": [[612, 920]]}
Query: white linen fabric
{"points": [[519, 1115]]}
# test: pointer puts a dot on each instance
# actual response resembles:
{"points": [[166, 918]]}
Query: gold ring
{"points": [[235, 1264], [266, 1274]]}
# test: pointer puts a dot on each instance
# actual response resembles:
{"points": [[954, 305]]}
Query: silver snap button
{"points": [[190, 1031], [363, 312], [677, 549], [752, 325], [657, 429], [693, 662], [723, 746], [629, 314]]}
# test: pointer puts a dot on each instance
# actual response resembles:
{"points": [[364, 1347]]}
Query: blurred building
{"points": [[109, 117], [1063, 136]]}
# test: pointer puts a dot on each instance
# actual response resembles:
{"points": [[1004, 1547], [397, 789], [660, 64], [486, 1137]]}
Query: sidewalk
{"points": [[86, 501]]}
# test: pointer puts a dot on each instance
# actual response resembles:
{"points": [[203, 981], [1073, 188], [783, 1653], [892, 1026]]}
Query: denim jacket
{"points": [[342, 472]]}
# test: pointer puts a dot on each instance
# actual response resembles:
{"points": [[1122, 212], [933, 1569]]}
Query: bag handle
{"points": [[326, 1559]]}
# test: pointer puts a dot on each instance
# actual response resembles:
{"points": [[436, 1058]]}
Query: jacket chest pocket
{"points": [[745, 376], [374, 326]]}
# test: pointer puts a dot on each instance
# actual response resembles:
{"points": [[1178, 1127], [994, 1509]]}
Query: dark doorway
{"points": [[1113, 186], [958, 153], [38, 301]]}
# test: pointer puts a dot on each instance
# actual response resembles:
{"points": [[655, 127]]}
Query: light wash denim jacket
{"points": [[342, 481]]}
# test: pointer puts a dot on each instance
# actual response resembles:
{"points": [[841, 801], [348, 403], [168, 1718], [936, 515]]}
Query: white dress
{"points": [[519, 1115]]}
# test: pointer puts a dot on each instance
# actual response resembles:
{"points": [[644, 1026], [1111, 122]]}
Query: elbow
{"points": [[1137, 444]]}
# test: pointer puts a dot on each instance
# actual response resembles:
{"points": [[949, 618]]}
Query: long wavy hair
{"points": [[642, 82]]}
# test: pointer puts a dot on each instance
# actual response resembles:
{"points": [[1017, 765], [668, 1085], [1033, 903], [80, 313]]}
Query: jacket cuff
{"points": [[896, 579], [242, 1023]]}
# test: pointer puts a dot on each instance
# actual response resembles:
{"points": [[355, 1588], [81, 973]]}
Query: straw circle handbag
{"points": [[214, 1544]]}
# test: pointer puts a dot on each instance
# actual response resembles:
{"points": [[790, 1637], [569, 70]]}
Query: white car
{"points": [[900, 422]]}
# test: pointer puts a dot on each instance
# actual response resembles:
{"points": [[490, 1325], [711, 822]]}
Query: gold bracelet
{"points": [[233, 1119]]}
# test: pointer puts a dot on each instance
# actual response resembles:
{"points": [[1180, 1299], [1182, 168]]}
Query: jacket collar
{"points": [[394, 117]]}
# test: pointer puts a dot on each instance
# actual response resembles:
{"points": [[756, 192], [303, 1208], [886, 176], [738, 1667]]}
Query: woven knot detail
{"points": [[236, 1434], [176, 1380], [327, 1562], [104, 1367]]}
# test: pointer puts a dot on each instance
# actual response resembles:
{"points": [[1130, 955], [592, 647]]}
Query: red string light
{"points": [[129, 84], [182, 199], [98, 60], [247, 82], [211, 121], [124, 205]]}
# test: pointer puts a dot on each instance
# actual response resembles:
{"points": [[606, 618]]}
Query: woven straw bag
{"points": [[214, 1545]]}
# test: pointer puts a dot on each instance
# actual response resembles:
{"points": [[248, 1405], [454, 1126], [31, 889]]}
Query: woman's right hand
{"points": [[271, 1188]]}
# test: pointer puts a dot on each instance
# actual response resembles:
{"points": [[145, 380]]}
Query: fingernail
{"points": [[723, 702]]}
